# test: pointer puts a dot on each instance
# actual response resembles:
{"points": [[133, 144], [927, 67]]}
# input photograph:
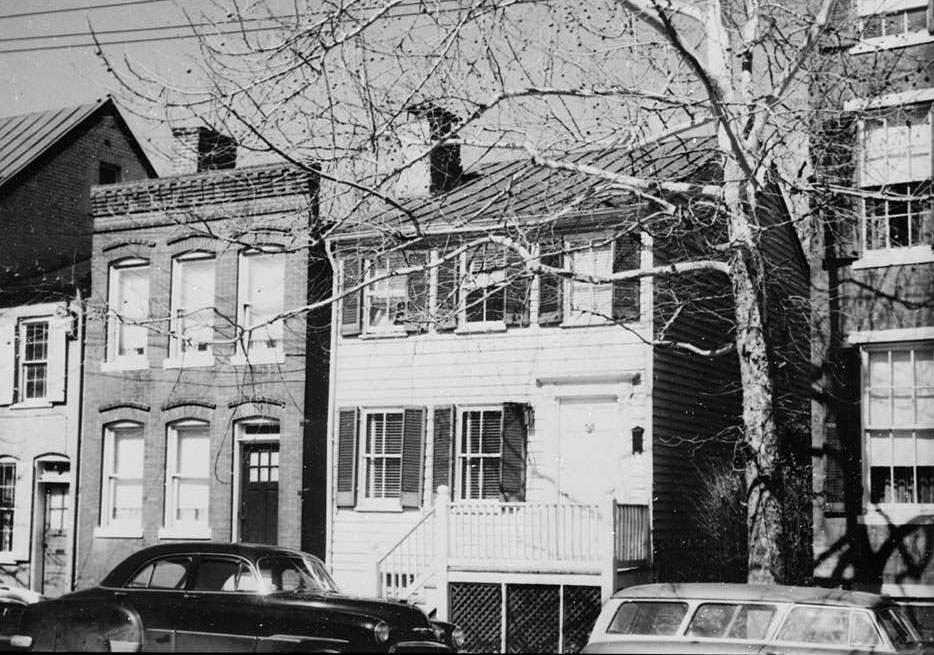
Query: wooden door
{"points": [[259, 493], [55, 540], [590, 443]]}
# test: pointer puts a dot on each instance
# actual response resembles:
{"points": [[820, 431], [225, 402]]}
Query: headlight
{"points": [[458, 638], [381, 632]]}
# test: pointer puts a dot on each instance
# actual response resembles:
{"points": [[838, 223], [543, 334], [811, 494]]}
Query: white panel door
{"points": [[591, 446]]}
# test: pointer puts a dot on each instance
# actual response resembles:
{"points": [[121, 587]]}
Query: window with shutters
{"points": [[128, 305], [381, 465], [192, 302], [187, 480], [260, 303], [483, 283], [895, 179], [386, 296], [479, 455], [32, 365], [7, 502], [898, 423], [122, 480], [595, 303]]}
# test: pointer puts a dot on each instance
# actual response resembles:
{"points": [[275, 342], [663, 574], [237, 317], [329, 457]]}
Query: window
{"points": [[484, 284], [898, 417], [895, 171], [386, 298], [731, 621], [122, 480], [590, 302], [33, 360], [108, 173], [382, 455], [217, 574], [262, 299], [193, 308], [479, 455], [187, 476], [168, 573], [293, 573], [648, 618], [129, 310], [7, 504], [894, 24], [830, 625]]}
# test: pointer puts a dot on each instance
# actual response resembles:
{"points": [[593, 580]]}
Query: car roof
{"points": [[128, 566], [776, 593]]}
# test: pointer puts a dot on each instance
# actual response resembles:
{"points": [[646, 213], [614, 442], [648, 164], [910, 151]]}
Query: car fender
{"points": [[88, 628]]}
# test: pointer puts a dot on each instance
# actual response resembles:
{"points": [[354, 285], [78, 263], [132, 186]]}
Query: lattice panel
{"points": [[581, 608], [532, 618], [477, 609]]}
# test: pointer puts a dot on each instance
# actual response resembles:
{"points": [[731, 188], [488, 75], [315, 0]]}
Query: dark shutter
{"points": [[512, 463], [834, 478], [413, 438], [417, 310], [446, 310], [551, 287], [517, 290], [626, 257], [930, 16], [347, 457], [350, 304], [837, 153], [443, 456]]}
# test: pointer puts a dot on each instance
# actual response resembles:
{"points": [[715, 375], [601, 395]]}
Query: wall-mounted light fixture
{"points": [[637, 432]]}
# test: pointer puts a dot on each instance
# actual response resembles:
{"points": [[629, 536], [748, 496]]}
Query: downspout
{"points": [[76, 467], [332, 385]]}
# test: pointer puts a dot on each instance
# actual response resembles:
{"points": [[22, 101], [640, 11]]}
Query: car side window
{"points": [[166, 573], [244, 580], [816, 625], [648, 618], [863, 632], [731, 621], [220, 574]]}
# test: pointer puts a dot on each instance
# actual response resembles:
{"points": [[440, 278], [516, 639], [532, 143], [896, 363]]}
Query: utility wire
{"points": [[42, 12]]}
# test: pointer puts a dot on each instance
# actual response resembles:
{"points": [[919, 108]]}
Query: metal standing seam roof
{"points": [[25, 137]]}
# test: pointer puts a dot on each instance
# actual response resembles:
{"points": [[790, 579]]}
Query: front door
{"points": [[590, 448], [259, 493], [55, 540]]}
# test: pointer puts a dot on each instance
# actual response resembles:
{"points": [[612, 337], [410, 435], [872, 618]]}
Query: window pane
{"points": [[216, 574], [133, 292], [193, 500], [917, 20], [711, 620], [872, 27], [128, 452], [904, 485], [491, 428], [127, 500], [490, 477], [643, 618], [862, 631], [265, 283], [752, 622], [816, 625], [194, 451], [169, 574]]}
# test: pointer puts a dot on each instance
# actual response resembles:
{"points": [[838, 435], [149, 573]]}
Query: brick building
{"points": [[873, 420], [194, 427], [48, 162]]}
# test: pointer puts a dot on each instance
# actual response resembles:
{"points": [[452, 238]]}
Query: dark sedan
{"points": [[226, 597]]}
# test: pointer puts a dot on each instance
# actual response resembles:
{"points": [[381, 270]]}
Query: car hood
{"points": [[396, 613]]}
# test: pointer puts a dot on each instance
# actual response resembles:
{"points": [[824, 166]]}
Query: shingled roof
{"points": [[26, 137]]}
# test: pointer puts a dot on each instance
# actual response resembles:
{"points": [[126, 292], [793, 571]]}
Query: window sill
{"points": [[895, 257], [184, 532], [125, 364], [32, 404], [258, 357], [878, 43], [384, 334], [10, 557], [474, 328], [189, 361], [898, 514], [389, 506], [118, 532]]}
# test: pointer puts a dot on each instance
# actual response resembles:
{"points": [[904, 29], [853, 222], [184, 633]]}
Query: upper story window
{"points": [[187, 478], [387, 295], [127, 332], [192, 309], [261, 302], [108, 173], [122, 477], [895, 176], [33, 360], [894, 24], [7, 503], [898, 423]]}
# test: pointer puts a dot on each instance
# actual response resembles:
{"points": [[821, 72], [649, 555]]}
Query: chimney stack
{"points": [[199, 149], [441, 170]]}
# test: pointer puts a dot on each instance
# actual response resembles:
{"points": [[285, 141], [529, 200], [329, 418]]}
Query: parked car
{"points": [[226, 597], [13, 600], [738, 618]]}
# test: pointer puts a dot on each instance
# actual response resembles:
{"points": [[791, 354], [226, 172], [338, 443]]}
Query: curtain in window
{"points": [[266, 297], [127, 475], [195, 303], [191, 482], [132, 306]]}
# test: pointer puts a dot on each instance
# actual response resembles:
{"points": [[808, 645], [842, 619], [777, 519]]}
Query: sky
{"points": [[43, 68]]}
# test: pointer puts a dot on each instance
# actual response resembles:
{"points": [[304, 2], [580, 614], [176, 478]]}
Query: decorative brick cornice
{"points": [[256, 400], [186, 402], [123, 404]]}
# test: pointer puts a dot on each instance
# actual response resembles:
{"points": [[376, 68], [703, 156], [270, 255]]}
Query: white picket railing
{"points": [[404, 568]]}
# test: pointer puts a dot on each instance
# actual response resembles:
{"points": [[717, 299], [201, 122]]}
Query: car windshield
{"points": [[898, 627], [294, 573]]}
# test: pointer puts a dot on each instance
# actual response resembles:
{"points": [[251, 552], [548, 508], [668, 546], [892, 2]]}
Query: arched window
{"points": [[128, 303], [261, 300], [192, 309], [122, 477], [187, 478]]}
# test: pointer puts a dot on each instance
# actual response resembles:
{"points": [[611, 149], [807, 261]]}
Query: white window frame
{"points": [[867, 9], [469, 282], [22, 363], [249, 352], [7, 553], [113, 361], [460, 492], [376, 268], [108, 526], [183, 353], [173, 528], [891, 511], [364, 500]]}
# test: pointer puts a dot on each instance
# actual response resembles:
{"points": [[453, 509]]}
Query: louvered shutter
{"points": [[7, 361], [413, 439], [627, 251], [551, 287], [446, 310], [834, 479], [347, 431], [417, 310], [351, 304], [517, 290], [838, 151], [443, 455], [514, 437], [58, 348], [930, 16]]}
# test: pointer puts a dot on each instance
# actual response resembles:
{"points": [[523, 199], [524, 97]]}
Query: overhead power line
{"points": [[65, 10]]}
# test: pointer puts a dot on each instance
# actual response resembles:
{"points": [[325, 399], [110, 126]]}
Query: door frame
{"points": [[43, 475], [239, 441]]}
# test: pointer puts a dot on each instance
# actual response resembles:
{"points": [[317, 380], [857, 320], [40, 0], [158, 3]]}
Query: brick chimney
{"points": [[199, 149], [441, 170]]}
